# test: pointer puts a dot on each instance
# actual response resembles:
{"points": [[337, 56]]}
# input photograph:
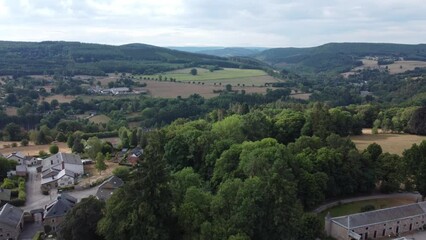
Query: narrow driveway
{"points": [[370, 197], [35, 199]]}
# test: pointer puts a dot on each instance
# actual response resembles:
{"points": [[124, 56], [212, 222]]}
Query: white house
{"points": [[61, 170], [64, 178], [17, 156], [60, 161], [21, 158]]}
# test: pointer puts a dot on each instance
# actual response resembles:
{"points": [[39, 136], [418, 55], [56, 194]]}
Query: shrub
{"points": [[368, 208], [24, 142], [8, 184], [54, 149], [22, 196]]}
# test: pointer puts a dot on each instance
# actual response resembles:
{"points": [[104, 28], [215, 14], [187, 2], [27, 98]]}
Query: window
{"points": [[366, 228], [53, 220], [397, 222]]}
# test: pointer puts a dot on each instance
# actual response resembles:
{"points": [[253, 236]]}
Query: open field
{"points": [[60, 98], [355, 207], [392, 143], [100, 119], [301, 96], [394, 68], [231, 76], [31, 149], [402, 66], [11, 111], [173, 90]]}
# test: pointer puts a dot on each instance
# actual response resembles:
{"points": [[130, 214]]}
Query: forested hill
{"points": [[97, 59], [338, 56]]}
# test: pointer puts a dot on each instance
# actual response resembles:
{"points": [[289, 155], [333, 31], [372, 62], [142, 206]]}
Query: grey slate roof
{"points": [[5, 194], [60, 207], [63, 157], [21, 168], [10, 215], [17, 154], [382, 215], [107, 188]]}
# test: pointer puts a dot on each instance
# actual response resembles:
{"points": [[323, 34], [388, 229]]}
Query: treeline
{"points": [[252, 175], [74, 58]]}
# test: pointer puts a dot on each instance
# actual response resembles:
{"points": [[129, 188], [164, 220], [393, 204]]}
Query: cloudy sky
{"points": [[263, 23]]}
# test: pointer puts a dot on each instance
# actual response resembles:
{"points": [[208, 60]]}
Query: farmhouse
{"points": [[17, 157], [64, 178], [61, 170], [54, 213], [11, 222], [377, 224], [20, 158]]}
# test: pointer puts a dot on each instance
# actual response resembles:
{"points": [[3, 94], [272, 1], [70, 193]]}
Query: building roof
{"points": [[10, 215], [17, 154], [58, 176], [60, 206], [5, 194], [63, 157], [107, 188], [21, 168], [381, 216]]}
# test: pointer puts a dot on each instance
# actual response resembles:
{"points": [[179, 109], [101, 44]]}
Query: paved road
{"points": [[35, 199], [370, 197]]}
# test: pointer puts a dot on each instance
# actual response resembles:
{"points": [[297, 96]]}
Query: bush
{"points": [[121, 172], [14, 144], [42, 154], [24, 142], [54, 149], [8, 184], [38, 236], [22, 196], [368, 208]]}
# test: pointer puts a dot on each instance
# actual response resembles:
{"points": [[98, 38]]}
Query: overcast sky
{"points": [[262, 23]]}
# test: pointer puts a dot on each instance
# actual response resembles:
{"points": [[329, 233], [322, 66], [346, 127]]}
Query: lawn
{"points": [[392, 143], [100, 119], [232, 76], [355, 207]]}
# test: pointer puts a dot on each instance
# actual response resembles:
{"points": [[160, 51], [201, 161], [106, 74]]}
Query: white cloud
{"points": [[220, 22]]}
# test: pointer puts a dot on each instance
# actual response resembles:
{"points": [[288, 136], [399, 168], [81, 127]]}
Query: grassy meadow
{"points": [[232, 76], [390, 142]]}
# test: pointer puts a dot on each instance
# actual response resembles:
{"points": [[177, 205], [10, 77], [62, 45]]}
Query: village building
{"points": [[54, 213], [21, 170], [61, 170], [107, 188], [11, 222], [63, 178], [5, 195], [22, 159], [377, 224]]}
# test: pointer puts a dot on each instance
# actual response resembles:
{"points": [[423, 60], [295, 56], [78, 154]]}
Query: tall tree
{"points": [[142, 209], [81, 222]]}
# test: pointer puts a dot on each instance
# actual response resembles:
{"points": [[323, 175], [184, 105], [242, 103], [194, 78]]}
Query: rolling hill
{"points": [[23, 58], [338, 57]]}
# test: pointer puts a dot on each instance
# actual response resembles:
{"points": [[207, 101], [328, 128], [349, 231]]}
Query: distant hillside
{"points": [[96, 59], [338, 56], [231, 52], [223, 52]]}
